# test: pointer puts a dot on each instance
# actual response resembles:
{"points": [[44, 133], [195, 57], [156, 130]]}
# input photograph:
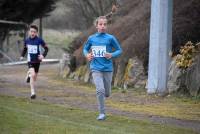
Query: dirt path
{"points": [[65, 92]]}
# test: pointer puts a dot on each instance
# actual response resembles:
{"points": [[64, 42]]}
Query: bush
{"points": [[187, 54]]}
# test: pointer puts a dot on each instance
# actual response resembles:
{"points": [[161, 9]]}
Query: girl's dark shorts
{"points": [[36, 66]]}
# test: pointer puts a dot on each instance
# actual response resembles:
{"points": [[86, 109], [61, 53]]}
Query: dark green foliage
{"points": [[25, 10], [22, 11]]}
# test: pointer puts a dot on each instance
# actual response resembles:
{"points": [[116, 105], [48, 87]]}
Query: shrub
{"points": [[187, 54]]}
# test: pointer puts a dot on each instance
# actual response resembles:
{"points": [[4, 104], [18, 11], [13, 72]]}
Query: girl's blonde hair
{"points": [[97, 19]]}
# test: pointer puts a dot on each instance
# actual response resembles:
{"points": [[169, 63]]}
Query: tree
{"points": [[22, 11], [85, 11]]}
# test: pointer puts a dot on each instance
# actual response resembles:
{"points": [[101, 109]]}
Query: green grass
{"points": [[58, 41], [186, 108], [23, 116]]}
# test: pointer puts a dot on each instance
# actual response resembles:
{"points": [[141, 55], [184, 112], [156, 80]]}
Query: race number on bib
{"points": [[99, 51], [32, 49]]}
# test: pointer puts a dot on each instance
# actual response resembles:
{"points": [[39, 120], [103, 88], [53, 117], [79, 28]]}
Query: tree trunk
{"points": [[119, 69], [40, 27], [2, 37]]}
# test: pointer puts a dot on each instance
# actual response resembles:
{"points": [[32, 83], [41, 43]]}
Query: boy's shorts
{"points": [[36, 66]]}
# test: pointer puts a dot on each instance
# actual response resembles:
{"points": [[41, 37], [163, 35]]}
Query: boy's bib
{"points": [[32, 49], [98, 51]]}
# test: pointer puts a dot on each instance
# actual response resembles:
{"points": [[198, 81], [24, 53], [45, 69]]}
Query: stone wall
{"points": [[132, 76]]}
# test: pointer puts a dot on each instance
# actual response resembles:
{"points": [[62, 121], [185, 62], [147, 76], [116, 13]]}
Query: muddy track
{"points": [[51, 90]]}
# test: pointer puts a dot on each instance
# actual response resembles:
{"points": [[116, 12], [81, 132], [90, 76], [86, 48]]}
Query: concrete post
{"points": [[160, 45]]}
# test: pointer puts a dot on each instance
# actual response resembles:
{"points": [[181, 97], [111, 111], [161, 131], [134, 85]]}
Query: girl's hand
{"points": [[108, 55], [89, 56]]}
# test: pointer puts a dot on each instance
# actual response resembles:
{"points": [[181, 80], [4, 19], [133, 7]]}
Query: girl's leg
{"points": [[107, 78], [100, 91]]}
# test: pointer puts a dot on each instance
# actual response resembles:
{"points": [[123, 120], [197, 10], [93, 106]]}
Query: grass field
{"points": [[61, 39], [23, 116], [58, 41]]}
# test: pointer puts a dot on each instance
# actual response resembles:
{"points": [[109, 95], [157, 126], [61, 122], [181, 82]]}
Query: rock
{"points": [[72, 75], [134, 75], [65, 72], [64, 69], [80, 73], [174, 77], [193, 78], [87, 76], [187, 80]]}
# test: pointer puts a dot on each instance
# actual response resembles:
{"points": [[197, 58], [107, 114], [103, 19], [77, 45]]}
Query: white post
{"points": [[160, 45]]}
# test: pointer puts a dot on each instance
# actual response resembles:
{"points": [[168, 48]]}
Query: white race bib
{"points": [[99, 51], [32, 49]]}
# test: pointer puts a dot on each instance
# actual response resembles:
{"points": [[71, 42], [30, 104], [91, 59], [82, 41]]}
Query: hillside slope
{"points": [[131, 26]]}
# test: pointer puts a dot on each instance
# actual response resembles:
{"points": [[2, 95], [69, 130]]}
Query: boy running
{"points": [[33, 45], [99, 49]]}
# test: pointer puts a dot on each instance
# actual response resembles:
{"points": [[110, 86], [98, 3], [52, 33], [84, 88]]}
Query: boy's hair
{"points": [[97, 19], [34, 27]]}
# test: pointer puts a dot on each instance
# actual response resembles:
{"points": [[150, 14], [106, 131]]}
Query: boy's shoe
{"points": [[33, 96], [101, 117]]}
